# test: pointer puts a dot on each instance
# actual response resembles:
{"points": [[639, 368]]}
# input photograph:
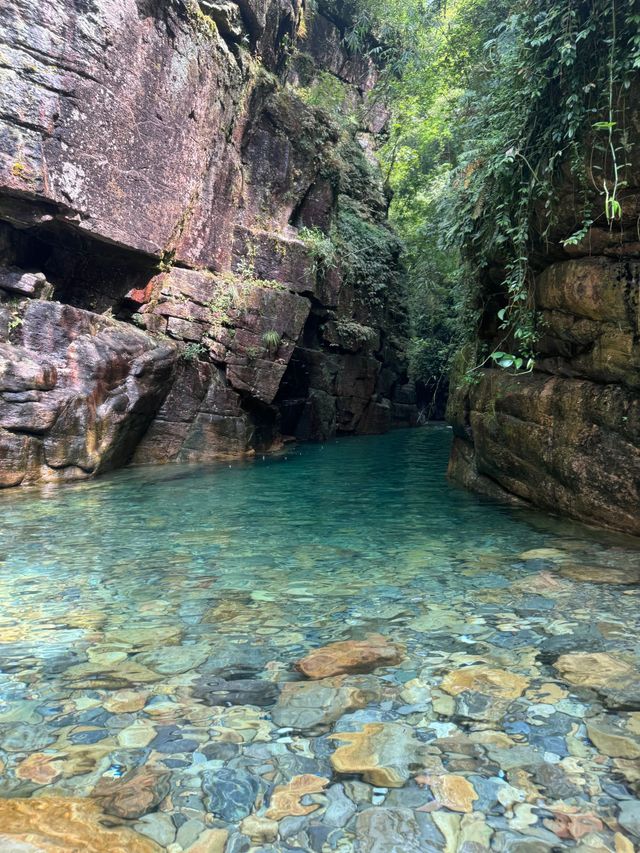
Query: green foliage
{"points": [[328, 93], [354, 335], [193, 351], [496, 104], [272, 340], [16, 321], [368, 253], [321, 248]]}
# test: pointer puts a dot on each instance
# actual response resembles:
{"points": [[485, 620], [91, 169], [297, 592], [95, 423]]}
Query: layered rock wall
{"points": [[185, 227], [566, 437]]}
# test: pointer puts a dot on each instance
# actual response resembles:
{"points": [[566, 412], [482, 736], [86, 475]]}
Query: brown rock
{"points": [[125, 701], [383, 754], [285, 800], [453, 792], [79, 389], [210, 841], [479, 692], [612, 737], [484, 679], [80, 760], [109, 198], [574, 825], [135, 794], [40, 768], [585, 392], [351, 656], [51, 824], [602, 574], [259, 830], [119, 675], [596, 670]]}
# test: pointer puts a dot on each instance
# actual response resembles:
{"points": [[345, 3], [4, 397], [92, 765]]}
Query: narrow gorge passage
{"points": [[319, 426], [151, 622]]}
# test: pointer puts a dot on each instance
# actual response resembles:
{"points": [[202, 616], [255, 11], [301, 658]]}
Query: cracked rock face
{"points": [[157, 168], [567, 436], [76, 391]]}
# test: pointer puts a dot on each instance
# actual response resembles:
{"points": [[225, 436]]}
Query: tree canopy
{"points": [[494, 106]]}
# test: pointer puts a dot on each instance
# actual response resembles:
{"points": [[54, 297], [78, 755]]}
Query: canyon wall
{"points": [[194, 257], [566, 437]]}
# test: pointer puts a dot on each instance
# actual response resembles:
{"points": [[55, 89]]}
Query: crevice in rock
{"points": [[85, 272]]}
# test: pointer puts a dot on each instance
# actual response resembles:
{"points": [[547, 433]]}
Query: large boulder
{"points": [[77, 391]]}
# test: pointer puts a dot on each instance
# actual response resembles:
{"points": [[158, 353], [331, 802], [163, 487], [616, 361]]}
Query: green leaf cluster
{"points": [[497, 107]]}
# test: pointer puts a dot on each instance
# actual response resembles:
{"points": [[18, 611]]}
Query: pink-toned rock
{"points": [[135, 794], [182, 159], [351, 656], [77, 391]]}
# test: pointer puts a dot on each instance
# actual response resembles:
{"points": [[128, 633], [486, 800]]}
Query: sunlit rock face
{"points": [[567, 436], [157, 168]]}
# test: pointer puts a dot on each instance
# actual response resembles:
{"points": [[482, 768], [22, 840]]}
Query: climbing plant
{"points": [[495, 106]]}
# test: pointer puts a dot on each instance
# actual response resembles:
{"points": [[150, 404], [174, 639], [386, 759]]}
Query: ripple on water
{"points": [[150, 621]]}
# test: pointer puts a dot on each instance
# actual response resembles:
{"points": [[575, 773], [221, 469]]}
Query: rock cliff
{"points": [[566, 437], [194, 259]]}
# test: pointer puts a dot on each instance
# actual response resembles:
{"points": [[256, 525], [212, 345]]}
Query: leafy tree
{"points": [[494, 105]]}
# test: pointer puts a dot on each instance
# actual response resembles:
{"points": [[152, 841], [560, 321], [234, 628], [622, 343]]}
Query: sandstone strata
{"points": [[565, 437], [166, 166]]}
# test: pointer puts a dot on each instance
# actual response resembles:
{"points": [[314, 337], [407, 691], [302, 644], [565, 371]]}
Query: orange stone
{"points": [[40, 768], [382, 753], [285, 800], [453, 792], [593, 669], [351, 656], [484, 679], [574, 826], [53, 824]]}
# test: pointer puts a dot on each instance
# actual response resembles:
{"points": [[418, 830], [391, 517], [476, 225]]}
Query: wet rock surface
{"points": [[77, 391], [352, 656]]}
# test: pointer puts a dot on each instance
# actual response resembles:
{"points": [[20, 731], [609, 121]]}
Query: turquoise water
{"points": [[117, 596]]}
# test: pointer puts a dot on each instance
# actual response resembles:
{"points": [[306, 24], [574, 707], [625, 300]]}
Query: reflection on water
{"points": [[149, 621]]}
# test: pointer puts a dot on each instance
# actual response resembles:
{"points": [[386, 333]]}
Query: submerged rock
{"points": [[383, 754], [615, 736], [46, 823], [481, 692], [629, 817], [286, 799], [614, 679], [383, 830], [230, 794], [241, 691], [173, 660], [351, 656], [311, 707], [453, 792], [135, 794], [259, 830], [602, 574]]}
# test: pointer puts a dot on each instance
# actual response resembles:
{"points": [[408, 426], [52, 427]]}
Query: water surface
{"points": [[150, 619]]}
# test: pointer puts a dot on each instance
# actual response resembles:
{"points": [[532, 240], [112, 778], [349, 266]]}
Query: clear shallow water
{"points": [[123, 599]]}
